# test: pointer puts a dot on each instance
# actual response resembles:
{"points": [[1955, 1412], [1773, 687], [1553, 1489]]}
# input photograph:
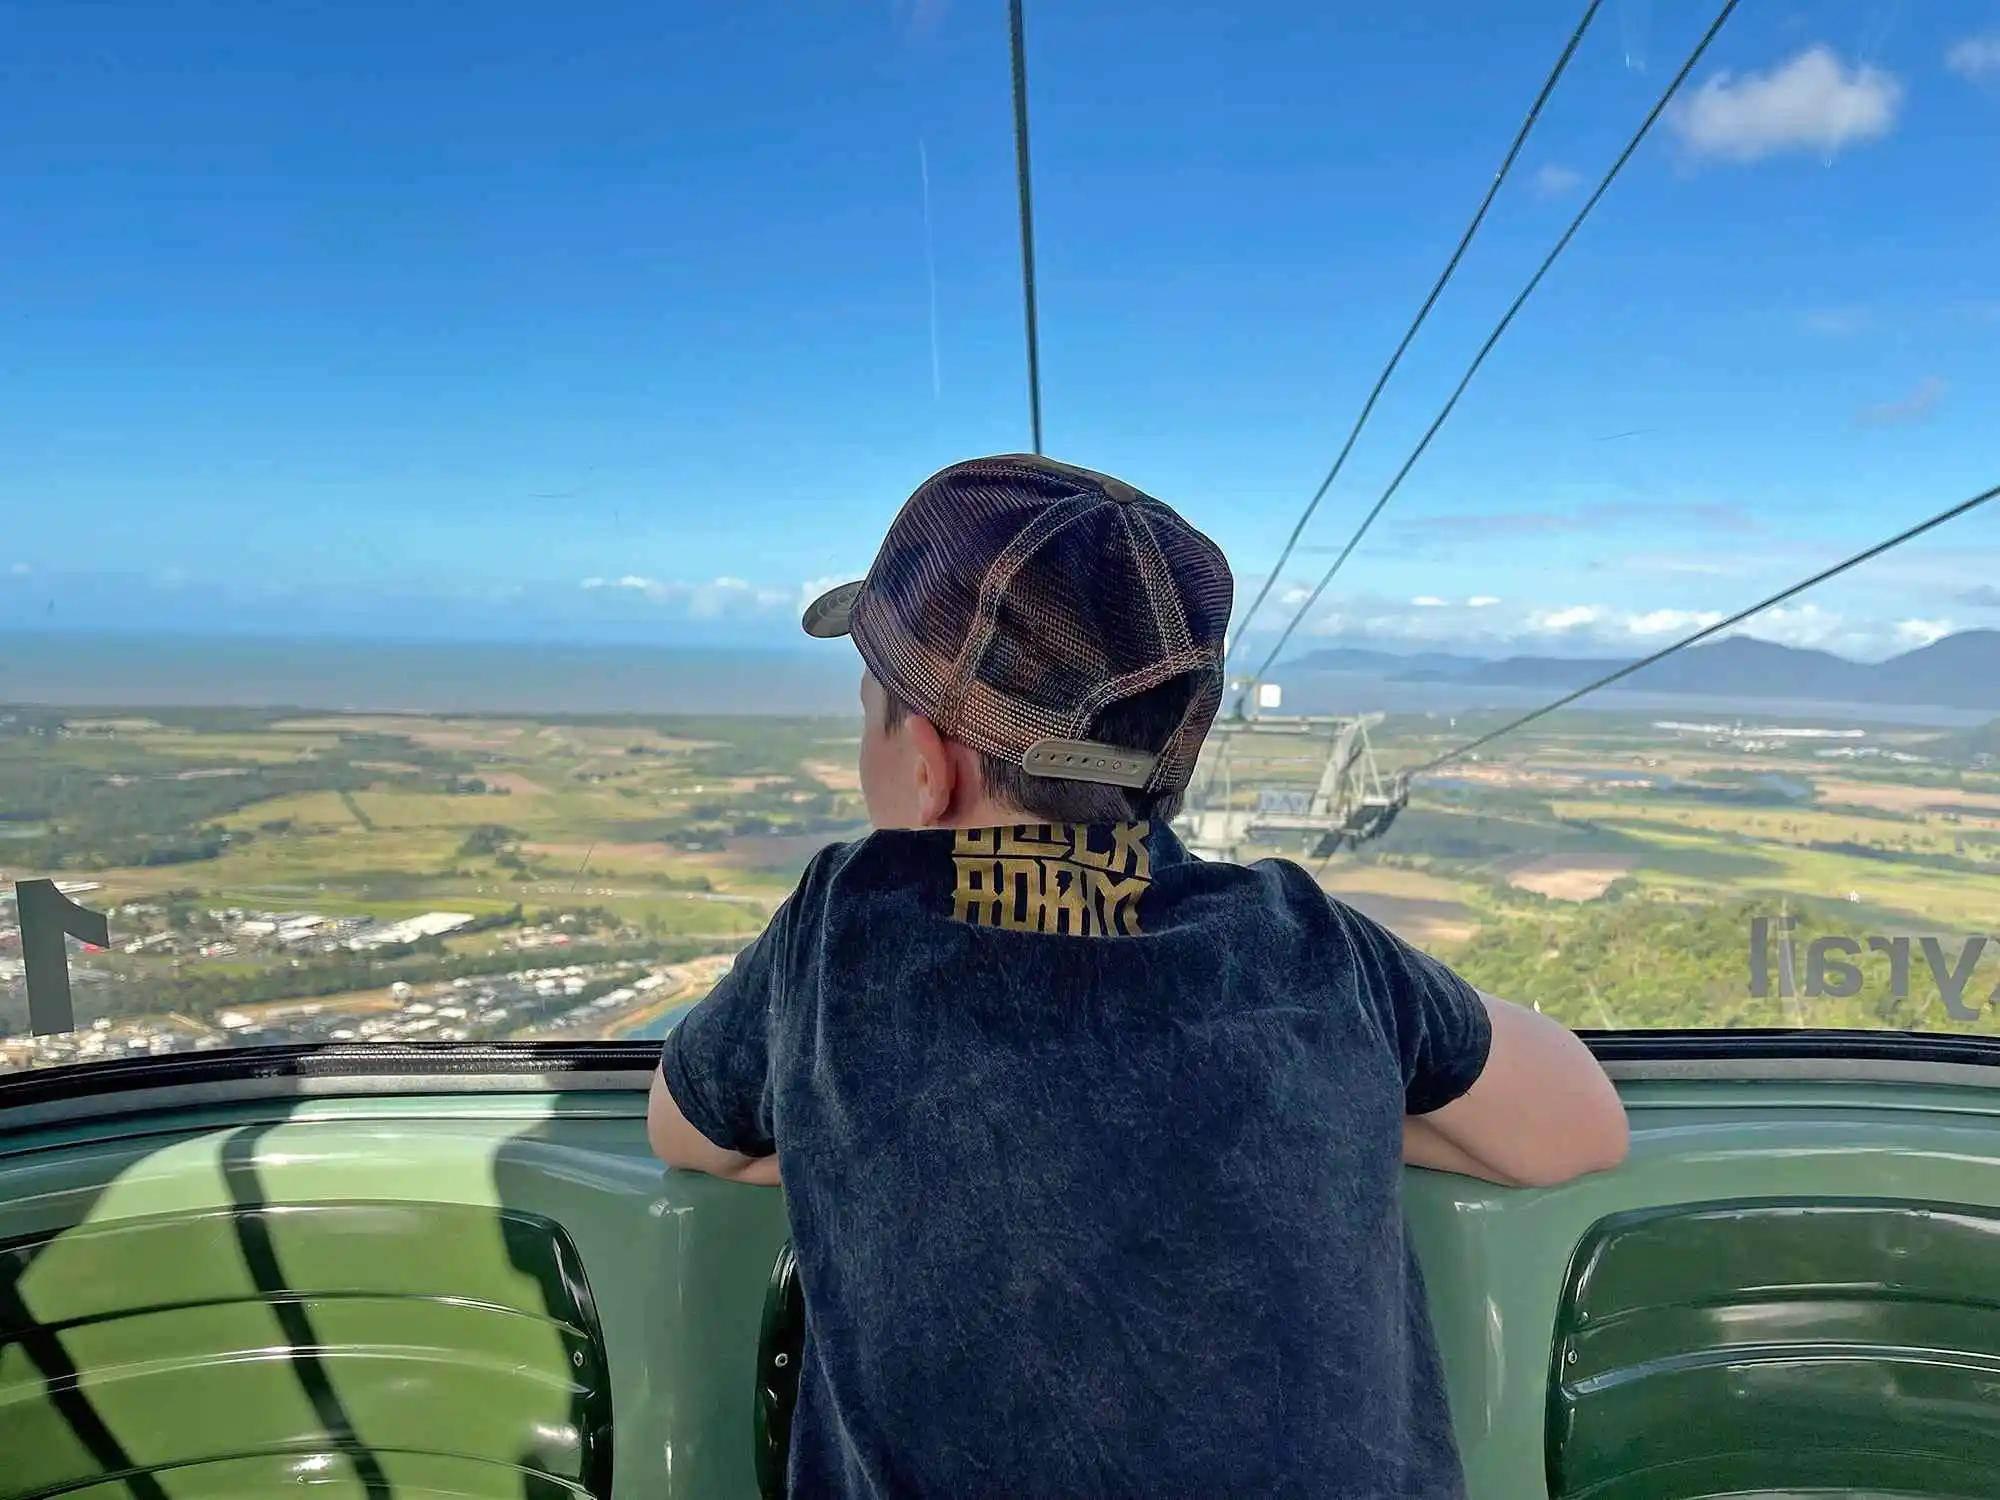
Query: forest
{"points": [[1635, 962]]}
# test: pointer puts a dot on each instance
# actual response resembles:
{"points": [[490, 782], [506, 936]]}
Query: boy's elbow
{"points": [[665, 1145], [671, 1151], [1597, 1145], [1608, 1137], [1617, 1141]]}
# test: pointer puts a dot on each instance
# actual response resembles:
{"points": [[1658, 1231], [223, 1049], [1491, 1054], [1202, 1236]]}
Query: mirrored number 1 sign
{"points": [[47, 915]]}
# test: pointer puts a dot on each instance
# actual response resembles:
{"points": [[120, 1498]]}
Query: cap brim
{"points": [[828, 616]]}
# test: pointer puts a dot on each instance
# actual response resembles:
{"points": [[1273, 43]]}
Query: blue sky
{"points": [[628, 321]]}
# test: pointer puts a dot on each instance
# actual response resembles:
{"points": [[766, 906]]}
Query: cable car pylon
{"points": [[1307, 784]]}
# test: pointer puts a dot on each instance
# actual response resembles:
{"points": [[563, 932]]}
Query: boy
{"points": [[1092, 1150]]}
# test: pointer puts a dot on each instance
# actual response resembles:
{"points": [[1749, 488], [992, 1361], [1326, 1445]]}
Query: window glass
{"points": [[420, 439]]}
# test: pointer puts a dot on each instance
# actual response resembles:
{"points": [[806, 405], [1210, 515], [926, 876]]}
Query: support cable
{"points": [[1951, 514], [1027, 220], [1382, 380], [1409, 463]]}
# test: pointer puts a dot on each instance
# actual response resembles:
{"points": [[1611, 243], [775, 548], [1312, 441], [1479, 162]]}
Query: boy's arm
{"points": [[1540, 1112], [679, 1144], [1424, 1147], [710, 1107], [1490, 1089]]}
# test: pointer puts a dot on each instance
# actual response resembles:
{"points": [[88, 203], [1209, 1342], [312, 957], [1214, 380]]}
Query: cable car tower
{"points": [[1304, 783]]}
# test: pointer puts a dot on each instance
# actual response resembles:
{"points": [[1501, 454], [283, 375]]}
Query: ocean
{"points": [[104, 670], [186, 671]]}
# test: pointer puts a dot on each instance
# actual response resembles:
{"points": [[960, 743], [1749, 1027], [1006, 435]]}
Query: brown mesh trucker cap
{"points": [[1015, 597]]}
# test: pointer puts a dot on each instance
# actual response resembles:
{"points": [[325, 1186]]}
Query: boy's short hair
{"points": [[1139, 722]]}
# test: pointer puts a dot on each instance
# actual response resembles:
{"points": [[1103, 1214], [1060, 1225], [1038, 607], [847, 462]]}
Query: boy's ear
{"points": [[932, 765]]}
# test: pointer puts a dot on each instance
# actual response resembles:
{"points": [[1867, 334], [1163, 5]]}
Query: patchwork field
{"points": [[1610, 869], [1571, 879], [1604, 867], [202, 833]]}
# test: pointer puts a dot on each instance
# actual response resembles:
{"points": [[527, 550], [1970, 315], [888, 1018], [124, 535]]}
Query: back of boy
{"points": [[1092, 1149]]}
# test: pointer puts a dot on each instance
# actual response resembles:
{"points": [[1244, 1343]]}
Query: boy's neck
{"points": [[987, 812]]}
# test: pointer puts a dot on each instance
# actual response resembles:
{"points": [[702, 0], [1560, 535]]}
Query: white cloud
{"points": [[1812, 103], [732, 596], [812, 588], [1975, 56], [924, 16], [629, 581], [1836, 322], [715, 599], [1462, 528], [1794, 625], [20, 569], [1923, 632], [1664, 562], [1293, 597], [1572, 618], [1552, 181], [1428, 601], [1595, 629], [1911, 408], [1672, 621], [1482, 601]]}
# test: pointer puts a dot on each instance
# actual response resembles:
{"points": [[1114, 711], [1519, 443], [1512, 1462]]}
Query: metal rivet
{"points": [[785, 1359]]}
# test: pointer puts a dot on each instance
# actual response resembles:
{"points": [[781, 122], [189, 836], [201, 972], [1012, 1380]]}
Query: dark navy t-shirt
{"points": [[1092, 1152]]}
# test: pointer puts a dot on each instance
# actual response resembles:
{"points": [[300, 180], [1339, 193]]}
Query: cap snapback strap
{"points": [[1087, 760]]}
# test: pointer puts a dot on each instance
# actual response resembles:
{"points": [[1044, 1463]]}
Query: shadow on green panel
{"points": [[396, 1350]]}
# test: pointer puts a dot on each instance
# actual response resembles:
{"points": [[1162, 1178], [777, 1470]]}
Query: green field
{"points": [[1599, 865], [1548, 871], [682, 833]]}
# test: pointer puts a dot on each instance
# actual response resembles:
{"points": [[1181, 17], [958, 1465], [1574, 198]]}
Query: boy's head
{"points": [[1043, 644]]}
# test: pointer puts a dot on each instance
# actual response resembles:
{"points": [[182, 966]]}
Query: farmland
{"points": [[1605, 867], [1609, 868], [244, 856]]}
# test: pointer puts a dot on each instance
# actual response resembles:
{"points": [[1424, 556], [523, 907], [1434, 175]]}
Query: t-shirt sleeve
{"points": [[717, 1060], [1439, 1023]]}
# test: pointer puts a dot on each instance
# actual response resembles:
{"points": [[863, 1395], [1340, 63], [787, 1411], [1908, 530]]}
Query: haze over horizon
{"points": [[1304, 651]]}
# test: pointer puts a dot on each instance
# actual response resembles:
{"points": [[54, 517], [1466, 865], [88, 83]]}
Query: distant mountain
{"points": [[1966, 665], [1959, 671], [1395, 663]]}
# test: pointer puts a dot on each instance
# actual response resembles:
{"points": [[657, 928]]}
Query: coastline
{"points": [[651, 1018]]}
